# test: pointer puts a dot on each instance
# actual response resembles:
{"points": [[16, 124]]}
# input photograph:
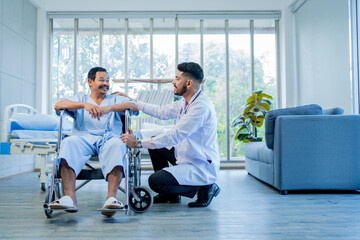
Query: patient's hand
{"points": [[93, 110], [129, 139]]}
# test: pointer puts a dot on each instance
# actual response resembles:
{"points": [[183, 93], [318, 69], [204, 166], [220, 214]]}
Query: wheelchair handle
{"points": [[128, 114], [61, 112], [67, 112]]}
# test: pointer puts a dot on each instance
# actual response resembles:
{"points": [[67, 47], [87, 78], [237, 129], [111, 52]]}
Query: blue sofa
{"points": [[319, 151]]}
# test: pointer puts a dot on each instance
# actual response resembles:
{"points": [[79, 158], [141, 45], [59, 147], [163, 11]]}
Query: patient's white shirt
{"points": [[194, 137]]}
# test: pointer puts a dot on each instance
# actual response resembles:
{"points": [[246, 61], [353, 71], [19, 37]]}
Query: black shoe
{"points": [[167, 199], [205, 196]]}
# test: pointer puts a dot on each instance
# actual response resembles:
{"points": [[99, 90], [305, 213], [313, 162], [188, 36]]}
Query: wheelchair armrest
{"points": [[61, 112], [130, 111], [65, 111]]}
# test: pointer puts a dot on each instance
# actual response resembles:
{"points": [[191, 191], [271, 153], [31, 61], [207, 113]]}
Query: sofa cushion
{"points": [[333, 111], [271, 116], [257, 151]]}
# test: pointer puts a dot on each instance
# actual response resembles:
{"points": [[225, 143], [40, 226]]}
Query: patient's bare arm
{"points": [[94, 110]]}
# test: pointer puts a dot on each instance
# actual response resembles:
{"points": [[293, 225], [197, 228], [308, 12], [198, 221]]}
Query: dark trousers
{"points": [[164, 182]]}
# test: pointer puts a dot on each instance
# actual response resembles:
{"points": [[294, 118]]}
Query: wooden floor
{"points": [[245, 209]]}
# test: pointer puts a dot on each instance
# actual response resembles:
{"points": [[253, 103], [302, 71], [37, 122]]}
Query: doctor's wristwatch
{"points": [[138, 144]]}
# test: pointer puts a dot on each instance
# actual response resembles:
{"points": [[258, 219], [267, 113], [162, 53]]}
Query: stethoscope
{"points": [[190, 103]]}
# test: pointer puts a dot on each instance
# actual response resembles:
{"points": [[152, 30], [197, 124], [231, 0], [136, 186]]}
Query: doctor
{"points": [[194, 157]]}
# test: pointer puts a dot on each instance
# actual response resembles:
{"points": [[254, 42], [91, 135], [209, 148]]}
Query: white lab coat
{"points": [[194, 137]]}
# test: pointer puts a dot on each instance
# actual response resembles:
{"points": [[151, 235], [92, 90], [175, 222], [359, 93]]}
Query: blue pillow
{"points": [[271, 116], [40, 122], [333, 111]]}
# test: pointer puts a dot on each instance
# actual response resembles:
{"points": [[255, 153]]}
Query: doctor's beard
{"points": [[180, 91]]}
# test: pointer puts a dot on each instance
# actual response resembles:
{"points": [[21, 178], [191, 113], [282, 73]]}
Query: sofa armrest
{"points": [[317, 152]]}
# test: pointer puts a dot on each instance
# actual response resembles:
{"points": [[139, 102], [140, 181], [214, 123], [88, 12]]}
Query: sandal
{"points": [[65, 203], [111, 203]]}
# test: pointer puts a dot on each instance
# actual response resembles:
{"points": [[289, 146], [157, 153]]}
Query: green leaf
{"points": [[250, 99], [242, 136], [265, 95], [265, 106], [267, 101], [238, 120]]}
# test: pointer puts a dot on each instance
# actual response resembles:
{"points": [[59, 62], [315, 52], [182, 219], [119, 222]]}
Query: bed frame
{"points": [[10, 145]]}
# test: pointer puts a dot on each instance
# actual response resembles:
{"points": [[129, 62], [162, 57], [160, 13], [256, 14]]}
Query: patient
{"points": [[97, 130]]}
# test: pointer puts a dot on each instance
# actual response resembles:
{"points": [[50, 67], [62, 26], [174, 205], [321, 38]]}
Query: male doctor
{"points": [[194, 156]]}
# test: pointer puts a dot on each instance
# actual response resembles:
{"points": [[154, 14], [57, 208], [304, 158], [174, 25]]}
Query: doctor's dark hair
{"points": [[93, 71], [191, 70]]}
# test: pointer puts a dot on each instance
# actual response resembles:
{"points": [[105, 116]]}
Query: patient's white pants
{"points": [[77, 150]]}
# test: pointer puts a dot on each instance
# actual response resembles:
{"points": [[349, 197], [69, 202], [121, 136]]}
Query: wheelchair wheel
{"points": [[48, 199], [145, 200]]}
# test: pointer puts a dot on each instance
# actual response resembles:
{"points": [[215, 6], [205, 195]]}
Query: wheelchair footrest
{"points": [[111, 210]]}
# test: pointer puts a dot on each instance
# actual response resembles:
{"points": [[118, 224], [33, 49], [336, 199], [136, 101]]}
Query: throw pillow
{"points": [[271, 116], [333, 111]]}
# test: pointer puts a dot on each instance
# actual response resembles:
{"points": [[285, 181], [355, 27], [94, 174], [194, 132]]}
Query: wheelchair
{"points": [[137, 198]]}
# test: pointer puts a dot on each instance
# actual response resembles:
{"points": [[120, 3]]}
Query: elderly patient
{"points": [[97, 130]]}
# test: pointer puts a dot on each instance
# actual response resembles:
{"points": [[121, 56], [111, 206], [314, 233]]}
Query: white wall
{"points": [[322, 49], [17, 69]]}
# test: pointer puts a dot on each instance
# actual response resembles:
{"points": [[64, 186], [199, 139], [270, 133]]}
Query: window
{"points": [[239, 74], [114, 48], [214, 49], [88, 51], [238, 56], [62, 60]]}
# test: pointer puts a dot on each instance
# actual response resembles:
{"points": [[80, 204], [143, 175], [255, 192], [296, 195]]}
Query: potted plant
{"points": [[252, 116]]}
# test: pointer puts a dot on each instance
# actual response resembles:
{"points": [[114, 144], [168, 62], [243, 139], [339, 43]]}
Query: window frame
{"points": [[178, 16]]}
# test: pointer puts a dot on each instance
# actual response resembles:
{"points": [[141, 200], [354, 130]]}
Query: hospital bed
{"points": [[26, 132]]}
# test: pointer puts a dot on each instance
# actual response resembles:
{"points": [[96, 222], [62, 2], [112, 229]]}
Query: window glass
{"points": [[265, 60], [239, 75], [139, 54], [215, 74], [164, 48], [88, 51], [189, 40], [114, 51], [62, 61]]}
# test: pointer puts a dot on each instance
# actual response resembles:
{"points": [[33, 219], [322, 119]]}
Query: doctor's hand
{"points": [[129, 139], [122, 94], [93, 110]]}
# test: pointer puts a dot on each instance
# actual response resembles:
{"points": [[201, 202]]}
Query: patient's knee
{"points": [[72, 140], [115, 143]]}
